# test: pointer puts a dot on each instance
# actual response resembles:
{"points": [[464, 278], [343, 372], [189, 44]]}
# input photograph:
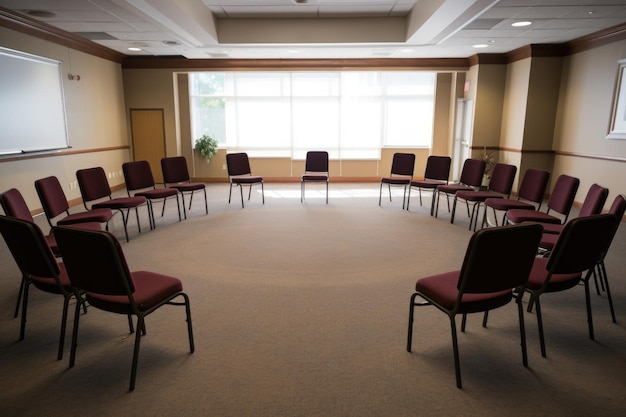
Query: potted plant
{"points": [[206, 146], [490, 162]]}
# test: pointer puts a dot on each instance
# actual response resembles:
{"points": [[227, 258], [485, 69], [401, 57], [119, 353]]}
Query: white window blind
{"points": [[350, 114]]}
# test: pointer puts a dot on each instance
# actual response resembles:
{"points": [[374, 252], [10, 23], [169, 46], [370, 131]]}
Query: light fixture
{"points": [[134, 49], [41, 13], [521, 23], [480, 46]]}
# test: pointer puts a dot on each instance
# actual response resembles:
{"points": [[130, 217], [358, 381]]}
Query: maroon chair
{"points": [[139, 179], [529, 196], [240, 174], [500, 186], [402, 168], [471, 179], [580, 247], [14, 205], [548, 240], [593, 204], [176, 175], [96, 264], [437, 173], [315, 170], [55, 204], [497, 263], [38, 266], [94, 186], [561, 201]]}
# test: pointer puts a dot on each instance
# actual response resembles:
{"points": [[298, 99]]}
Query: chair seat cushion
{"points": [[548, 240], [157, 193], [551, 228], [122, 202], [442, 289], [427, 183], [248, 179], [189, 186], [101, 215], [313, 177], [558, 282], [518, 216], [395, 181], [477, 195], [453, 188], [151, 290], [48, 284], [505, 204]]}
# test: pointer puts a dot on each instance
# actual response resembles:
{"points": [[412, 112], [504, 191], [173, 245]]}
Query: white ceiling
{"points": [[323, 28]]}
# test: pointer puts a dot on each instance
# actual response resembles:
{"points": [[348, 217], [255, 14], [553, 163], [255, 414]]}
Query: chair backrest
{"points": [[594, 201], [533, 186], [618, 208], [138, 175], [316, 161], [403, 164], [14, 205], [28, 246], [563, 194], [499, 258], [94, 261], [581, 244], [52, 197], [472, 172], [502, 178], [438, 168], [174, 169], [238, 164], [93, 184]]}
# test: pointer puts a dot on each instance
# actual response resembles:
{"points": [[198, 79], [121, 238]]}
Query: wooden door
{"points": [[148, 135]]}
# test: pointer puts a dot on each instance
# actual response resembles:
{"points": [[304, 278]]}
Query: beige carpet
{"points": [[301, 310]]}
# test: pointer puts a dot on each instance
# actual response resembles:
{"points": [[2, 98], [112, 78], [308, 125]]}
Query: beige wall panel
{"points": [[585, 101], [582, 120], [515, 104], [151, 89], [488, 103], [352, 169], [543, 95]]}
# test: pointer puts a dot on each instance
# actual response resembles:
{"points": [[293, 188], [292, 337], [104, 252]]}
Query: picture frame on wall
{"points": [[617, 124]]}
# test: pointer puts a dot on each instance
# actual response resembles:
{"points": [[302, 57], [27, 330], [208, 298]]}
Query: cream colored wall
{"points": [[95, 120], [582, 121]]}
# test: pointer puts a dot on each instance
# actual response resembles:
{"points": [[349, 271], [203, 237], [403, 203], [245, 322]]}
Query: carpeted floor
{"points": [[301, 310]]}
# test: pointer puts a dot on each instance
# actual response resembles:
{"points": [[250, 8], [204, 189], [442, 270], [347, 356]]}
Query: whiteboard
{"points": [[32, 105]]}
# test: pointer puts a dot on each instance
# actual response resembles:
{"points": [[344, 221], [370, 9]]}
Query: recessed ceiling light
{"points": [[480, 46], [406, 50], [522, 23], [134, 49]]}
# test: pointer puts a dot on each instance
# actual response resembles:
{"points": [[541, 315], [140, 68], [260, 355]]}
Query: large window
{"points": [[350, 114]]}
